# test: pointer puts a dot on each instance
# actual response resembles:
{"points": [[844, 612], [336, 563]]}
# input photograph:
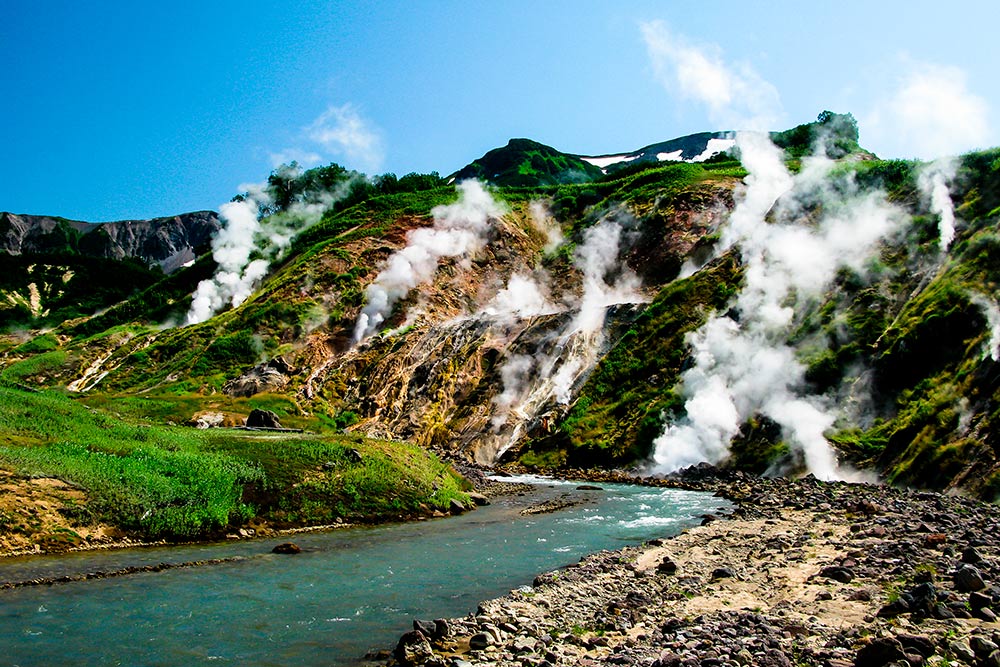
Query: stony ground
{"points": [[802, 573]]}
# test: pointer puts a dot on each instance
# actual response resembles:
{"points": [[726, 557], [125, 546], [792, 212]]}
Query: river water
{"points": [[349, 591]]}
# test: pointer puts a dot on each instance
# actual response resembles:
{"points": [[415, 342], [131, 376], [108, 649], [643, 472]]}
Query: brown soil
{"points": [[45, 515]]}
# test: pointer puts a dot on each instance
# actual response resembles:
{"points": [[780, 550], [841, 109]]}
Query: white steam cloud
{"points": [[524, 296], [991, 311], [743, 367], [543, 221], [531, 383], [246, 245], [929, 114], [934, 183], [459, 229]]}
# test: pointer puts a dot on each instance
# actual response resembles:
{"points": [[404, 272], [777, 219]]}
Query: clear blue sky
{"points": [[113, 110]]}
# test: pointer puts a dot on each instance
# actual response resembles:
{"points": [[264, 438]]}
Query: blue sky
{"points": [[115, 110]]}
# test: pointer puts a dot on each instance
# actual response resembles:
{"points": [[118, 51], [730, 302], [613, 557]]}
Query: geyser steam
{"points": [[246, 245], [459, 229], [742, 366]]}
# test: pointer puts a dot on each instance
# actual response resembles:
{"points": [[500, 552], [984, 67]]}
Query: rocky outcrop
{"points": [[803, 576], [168, 242], [269, 376]]}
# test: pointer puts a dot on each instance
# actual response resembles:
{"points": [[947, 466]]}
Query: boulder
{"points": [[205, 420], [456, 507], [478, 498], [479, 641], [262, 419], [880, 652], [667, 566], [968, 579], [413, 649], [842, 574], [287, 548], [269, 376]]}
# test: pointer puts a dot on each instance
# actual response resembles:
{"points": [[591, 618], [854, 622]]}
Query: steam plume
{"points": [[933, 183], [991, 310], [531, 383], [246, 245], [459, 229], [743, 367]]}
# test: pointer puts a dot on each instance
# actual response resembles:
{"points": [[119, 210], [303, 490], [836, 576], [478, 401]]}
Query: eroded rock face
{"points": [[168, 242], [270, 376]]}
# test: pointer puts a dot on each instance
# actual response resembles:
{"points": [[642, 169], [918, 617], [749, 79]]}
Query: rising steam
{"points": [[459, 229], [742, 365], [991, 311], [934, 183], [246, 245], [531, 383]]}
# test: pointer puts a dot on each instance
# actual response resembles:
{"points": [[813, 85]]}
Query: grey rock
{"points": [[971, 556], [968, 579], [981, 646], [480, 641], [413, 649], [842, 574], [960, 649]]}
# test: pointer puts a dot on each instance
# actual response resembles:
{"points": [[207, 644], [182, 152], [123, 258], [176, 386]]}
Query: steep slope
{"points": [[55, 269], [571, 324]]}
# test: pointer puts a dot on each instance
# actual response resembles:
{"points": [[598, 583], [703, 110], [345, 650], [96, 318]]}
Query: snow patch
{"points": [[713, 147], [672, 157], [608, 160]]}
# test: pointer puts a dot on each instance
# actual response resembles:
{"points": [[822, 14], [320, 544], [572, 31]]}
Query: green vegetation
{"points": [[182, 483], [48, 289], [526, 163], [619, 411], [836, 134]]}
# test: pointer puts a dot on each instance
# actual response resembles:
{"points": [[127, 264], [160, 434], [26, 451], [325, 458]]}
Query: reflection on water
{"points": [[348, 592]]}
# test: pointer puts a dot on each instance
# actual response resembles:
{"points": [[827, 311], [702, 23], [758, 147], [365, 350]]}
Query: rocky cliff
{"points": [[165, 242]]}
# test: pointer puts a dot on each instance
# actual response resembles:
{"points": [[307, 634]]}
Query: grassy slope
{"points": [[182, 483]]}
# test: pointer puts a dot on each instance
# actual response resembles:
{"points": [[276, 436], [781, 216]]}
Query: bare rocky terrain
{"points": [[801, 573]]}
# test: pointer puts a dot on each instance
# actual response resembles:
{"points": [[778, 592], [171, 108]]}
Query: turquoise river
{"points": [[350, 591]]}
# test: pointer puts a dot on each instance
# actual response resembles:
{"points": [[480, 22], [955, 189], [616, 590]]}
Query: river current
{"points": [[350, 590]]}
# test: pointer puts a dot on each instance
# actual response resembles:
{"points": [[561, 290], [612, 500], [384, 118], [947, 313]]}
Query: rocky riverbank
{"points": [[801, 573]]}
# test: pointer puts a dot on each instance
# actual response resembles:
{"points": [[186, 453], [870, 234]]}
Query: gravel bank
{"points": [[802, 573]]}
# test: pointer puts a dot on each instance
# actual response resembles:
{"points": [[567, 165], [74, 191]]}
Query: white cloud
{"points": [[736, 96], [304, 158], [930, 114], [343, 131]]}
